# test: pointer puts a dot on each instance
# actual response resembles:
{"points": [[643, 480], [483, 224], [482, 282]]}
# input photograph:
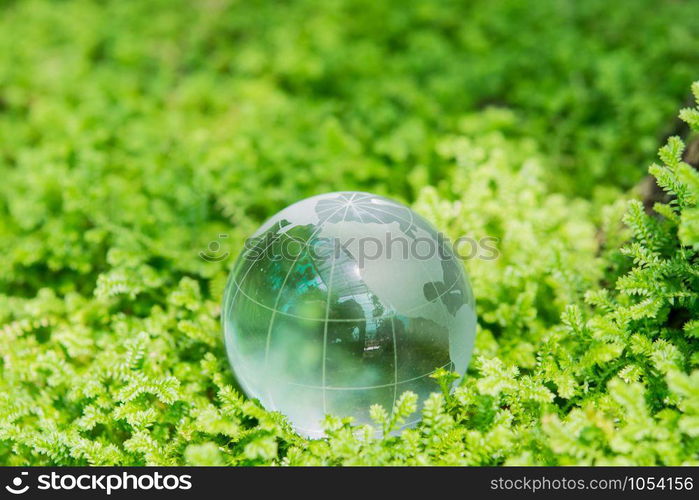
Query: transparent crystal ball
{"points": [[345, 300]]}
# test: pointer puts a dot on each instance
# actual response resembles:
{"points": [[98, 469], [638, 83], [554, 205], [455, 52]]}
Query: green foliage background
{"points": [[133, 133]]}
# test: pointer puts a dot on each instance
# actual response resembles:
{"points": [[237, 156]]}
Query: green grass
{"points": [[133, 133]]}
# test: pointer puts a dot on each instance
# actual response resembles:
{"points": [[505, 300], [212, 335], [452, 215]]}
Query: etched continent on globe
{"points": [[345, 300]]}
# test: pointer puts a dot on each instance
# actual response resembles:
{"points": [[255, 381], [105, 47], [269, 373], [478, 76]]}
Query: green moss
{"points": [[132, 134]]}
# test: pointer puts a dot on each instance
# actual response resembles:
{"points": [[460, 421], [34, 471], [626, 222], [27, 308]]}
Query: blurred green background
{"points": [[174, 114]]}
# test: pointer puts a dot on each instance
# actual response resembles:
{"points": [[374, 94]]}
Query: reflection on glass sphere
{"points": [[341, 301]]}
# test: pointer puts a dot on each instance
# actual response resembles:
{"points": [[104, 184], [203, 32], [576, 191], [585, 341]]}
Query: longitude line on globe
{"points": [[327, 316], [239, 288], [393, 325], [279, 296], [427, 276], [325, 332], [227, 311]]}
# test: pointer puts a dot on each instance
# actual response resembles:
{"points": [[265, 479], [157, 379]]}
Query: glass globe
{"points": [[345, 300]]}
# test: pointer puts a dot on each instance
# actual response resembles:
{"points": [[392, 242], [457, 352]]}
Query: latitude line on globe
{"points": [[357, 388], [331, 320]]}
